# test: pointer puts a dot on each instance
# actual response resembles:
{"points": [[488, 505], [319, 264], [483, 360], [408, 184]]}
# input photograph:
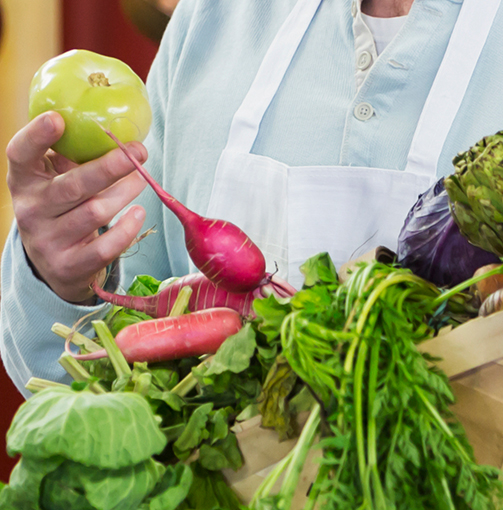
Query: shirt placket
{"points": [[365, 48]]}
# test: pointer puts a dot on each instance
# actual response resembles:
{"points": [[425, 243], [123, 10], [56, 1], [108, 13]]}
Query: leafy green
{"points": [[78, 487], [194, 432], [144, 285], [273, 402], [221, 454], [392, 440], [87, 428], [235, 354], [209, 491], [173, 488], [319, 269], [23, 491]]}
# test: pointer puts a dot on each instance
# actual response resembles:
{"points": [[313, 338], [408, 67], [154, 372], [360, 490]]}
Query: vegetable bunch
{"points": [[389, 438], [345, 352], [80, 450]]}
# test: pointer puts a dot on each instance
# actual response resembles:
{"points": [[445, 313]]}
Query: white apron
{"points": [[292, 213]]}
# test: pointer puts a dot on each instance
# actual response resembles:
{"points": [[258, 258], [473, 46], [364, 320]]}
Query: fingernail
{"points": [[136, 153], [48, 123], [139, 214]]}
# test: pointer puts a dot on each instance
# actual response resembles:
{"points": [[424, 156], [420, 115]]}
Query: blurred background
{"points": [[33, 31]]}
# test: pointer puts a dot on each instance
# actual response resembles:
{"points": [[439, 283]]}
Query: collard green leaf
{"points": [[78, 487], [235, 354], [110, 430], [24, 489]]}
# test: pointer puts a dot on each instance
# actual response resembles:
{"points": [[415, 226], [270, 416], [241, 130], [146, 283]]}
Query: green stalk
{"points": [[372, 432], [464, 285], [315, 491], [360, 438], [36, 384], [189, 382], [296, 465], [121, 366], [374, 296], [447, 492], [181, 302], [142, 384], [78, 372], [441, 423], [76, 338], [265, 488]]}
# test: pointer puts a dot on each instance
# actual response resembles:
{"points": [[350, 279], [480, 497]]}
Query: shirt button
{"points": [[364, 60], [363, 111], [354, 8]]}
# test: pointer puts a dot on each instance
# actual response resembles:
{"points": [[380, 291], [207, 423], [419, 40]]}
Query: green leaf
{"points": [[273, 401], [194, 432], [270, 315], [143, 285], [119, 318], [173, 488], [110, 430], [23, 491], [78, 487], [219, 427], [209, 491], [235, 354], [223, 454], [319, 269]]}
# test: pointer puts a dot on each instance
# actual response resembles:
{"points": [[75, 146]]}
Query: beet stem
{"points": [[183, 214]]}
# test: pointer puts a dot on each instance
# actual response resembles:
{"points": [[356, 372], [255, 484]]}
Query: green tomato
{"points": [[86, 89]]}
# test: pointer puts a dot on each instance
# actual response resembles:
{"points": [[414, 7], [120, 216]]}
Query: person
{"points": [[311, 124]]}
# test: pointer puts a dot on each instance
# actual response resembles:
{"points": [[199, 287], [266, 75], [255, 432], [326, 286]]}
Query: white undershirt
{"points": [[383, 29]]}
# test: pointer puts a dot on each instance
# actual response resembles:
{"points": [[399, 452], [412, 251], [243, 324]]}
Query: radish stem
{"points": [[182, 302], [121, 367], [78, 372], [36, 384], [76, 338]]}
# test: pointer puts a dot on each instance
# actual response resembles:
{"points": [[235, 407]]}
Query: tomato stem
{"points": [[98, 80]]}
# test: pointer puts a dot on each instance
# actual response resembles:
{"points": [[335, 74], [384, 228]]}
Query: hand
{"points": [[59, 207]]}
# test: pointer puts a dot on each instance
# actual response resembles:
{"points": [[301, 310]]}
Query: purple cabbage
{"points": [[431, 245]]}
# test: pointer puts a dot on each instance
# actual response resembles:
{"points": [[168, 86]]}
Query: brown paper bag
{"points": [[262, 450], [470, 357]]}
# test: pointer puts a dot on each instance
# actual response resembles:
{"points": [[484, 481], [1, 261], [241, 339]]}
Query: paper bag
{"points": [[262, 450]]}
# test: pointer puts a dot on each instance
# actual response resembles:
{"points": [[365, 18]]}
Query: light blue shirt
{"points": [[206, 63]]}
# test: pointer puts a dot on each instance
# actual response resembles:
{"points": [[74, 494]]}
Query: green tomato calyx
{"points": [[98, 80]]}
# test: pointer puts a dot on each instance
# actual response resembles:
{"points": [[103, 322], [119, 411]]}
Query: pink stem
{"points": [[177, 208]]}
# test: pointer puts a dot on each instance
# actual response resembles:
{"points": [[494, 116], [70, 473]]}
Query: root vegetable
{"points": [[204, 295], [170, 338], [219, 249]]}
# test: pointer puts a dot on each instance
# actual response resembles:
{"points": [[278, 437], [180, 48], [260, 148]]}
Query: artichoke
{"points": [[475, 192]]}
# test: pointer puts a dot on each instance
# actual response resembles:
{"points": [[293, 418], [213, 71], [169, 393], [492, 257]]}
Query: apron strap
{"points": [[246, 122], [447, 92]]}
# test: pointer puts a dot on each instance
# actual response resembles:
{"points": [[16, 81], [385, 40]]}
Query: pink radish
{"points": [[184, 336], [204, 295], [219, 249]]}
